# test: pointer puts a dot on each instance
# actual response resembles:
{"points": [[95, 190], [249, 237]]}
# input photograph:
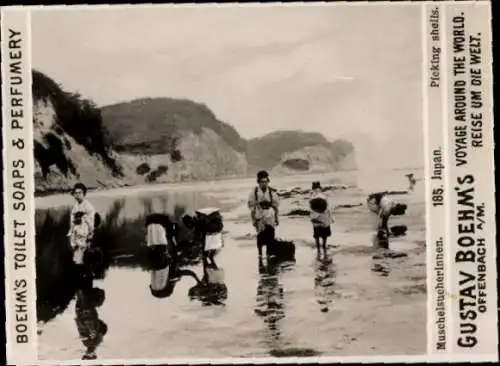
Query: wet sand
{"points": [[375, 306]]}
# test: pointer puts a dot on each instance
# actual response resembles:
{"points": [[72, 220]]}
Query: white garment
{"points": [[214, 241], [215, 275], [323, 219], [159, 279], [386, 205], [89, 214], [79, 235], [79, 241], [78, 255], [208, 210], [156, 235], [263, 217]]}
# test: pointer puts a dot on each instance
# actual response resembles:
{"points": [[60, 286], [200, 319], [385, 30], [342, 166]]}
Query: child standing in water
{"points": [[81, 229], [79, 235], [321, 217]]}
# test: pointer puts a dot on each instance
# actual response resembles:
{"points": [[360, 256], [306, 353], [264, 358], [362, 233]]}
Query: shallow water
{"points": [[347, 303]]}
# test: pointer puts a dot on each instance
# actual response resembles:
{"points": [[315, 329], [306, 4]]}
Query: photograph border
{"points": [[19, 212]]}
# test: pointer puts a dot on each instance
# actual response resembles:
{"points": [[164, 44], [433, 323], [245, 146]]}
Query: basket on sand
{"points": [[399, 209]]}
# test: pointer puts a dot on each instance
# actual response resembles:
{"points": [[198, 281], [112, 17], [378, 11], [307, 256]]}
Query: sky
{"points": [[345, 71]]}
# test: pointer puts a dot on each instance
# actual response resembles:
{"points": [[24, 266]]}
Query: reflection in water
{"points": [[324, 281], [211, 290], [162, 255], [174, 275], [380, 265], [118, 241], [168, 255], [90, 328], [164, 280], [270, 301]]}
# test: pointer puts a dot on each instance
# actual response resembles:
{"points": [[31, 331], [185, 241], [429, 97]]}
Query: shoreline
{"points": [[218, 184], [56, 192], [63, 198]]}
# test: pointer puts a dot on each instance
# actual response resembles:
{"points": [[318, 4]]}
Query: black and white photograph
{"points": [[228, 181], [251, 183], [237, 181]]}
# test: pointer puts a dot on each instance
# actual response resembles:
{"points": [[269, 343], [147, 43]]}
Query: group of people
{"points": [[263, 203]]}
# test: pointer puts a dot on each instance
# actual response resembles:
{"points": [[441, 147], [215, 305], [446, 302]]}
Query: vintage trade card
{"points": [[249, 183]]}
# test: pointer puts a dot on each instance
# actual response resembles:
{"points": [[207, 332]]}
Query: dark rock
{"points": [[294, 352], [298, 212], [393, 254], [297, 164], [336, 187], [143, 168], [285, 194], [155, 174], [349, 205], [176, 155], [399, 230]]}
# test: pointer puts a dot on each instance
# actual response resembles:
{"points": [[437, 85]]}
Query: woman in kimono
{"points": [[264, 209], [85, 207], [82, 223]]}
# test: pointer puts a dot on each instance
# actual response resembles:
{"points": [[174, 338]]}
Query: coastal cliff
{"points": [[152, 140]]}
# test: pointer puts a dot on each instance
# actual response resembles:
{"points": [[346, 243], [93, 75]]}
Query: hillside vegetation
{"points": [[75, 117], [273, 149], [153, 126], [70, 142], [158, 140]]}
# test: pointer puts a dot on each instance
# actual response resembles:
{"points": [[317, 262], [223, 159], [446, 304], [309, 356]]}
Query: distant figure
{"points": [[412, 181], [82, 223], [90, 328], [321, 217], [264, 208]]}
